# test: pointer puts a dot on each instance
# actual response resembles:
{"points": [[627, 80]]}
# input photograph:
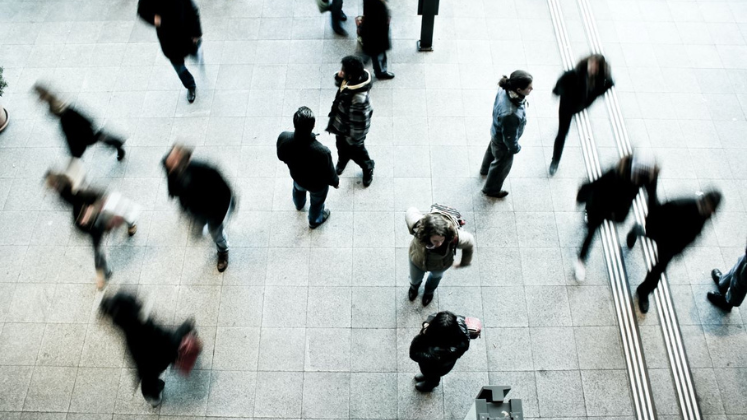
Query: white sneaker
{"points": [[580, 270]]}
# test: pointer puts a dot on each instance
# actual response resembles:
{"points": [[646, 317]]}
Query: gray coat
{"points": [[509, 120]]}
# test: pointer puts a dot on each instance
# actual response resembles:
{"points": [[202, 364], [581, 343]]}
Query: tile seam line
{"points": [[629, 334], [676, 352]]}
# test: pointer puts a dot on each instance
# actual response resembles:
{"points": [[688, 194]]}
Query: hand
{"points": [[157, 20], [337, 187], [457, 265], [341, 74], [195, 40]]}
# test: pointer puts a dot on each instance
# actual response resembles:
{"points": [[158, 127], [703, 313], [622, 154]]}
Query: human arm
{"points": [[334, 179], [510, 131], [192, 14], [412, 217], [466, 244], [360, 116], [420, 351], [146, 11], [562, 85]]}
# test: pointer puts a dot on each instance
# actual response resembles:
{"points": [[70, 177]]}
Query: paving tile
{"points": [[371, 395], [50, 389], [607, 392], [95, 390], [14, 386], [326, 395], [547, 306], [328, 349], [731, 384], [231, 393], [62, 345], [553, 348], [282, 349], [509, 349], [560, 392], [373, 350], [236, 348], [279, 394], [412, 404]]}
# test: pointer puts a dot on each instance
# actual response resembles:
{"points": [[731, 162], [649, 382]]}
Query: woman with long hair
{"points": [[441, 342]]}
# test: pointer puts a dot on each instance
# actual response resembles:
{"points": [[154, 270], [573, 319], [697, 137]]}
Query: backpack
{"points": [[451, 212]]}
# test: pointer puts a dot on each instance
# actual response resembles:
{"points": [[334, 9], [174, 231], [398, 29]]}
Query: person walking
{"points": [[350, 117], [509, 119], [334, 7], [673, 226], [436, 237], [375, 36], [610, 197], [95, 214], [441, 342], [578, 88], [732, 286], [77, 127], [203, 193], [310, 165], [179, 31]]}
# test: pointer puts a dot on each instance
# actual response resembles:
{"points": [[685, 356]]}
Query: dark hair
{"points": [[519, 80], [353, 67], [435, 224], [303, 120], [445, 329], [601, 62], [713, 198]]}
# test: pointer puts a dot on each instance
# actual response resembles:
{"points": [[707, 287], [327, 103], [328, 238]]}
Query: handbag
{"points": [[189, 349], [359, 28], [474, 326]]}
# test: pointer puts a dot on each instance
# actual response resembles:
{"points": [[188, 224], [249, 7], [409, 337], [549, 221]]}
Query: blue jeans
{"points": [[416, 277], [316, 209], [734, 288]]}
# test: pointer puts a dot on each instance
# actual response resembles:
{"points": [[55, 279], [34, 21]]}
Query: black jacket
{"points": [[79, 201], [436, 355], [375, 28], [351, 111], [611, 196], [78, 130], [202, 191], [180, 22], [309, 161], [675, 224], [574, 91]]}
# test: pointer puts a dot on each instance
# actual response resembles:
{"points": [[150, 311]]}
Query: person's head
{"points": [[595, 65], [177, 158], [640, 168], [435, 230], [352, 67], [520, 82], [303, 120], [708, 202], [56, 105], [57, 181], [444, 328], [122, 308]]}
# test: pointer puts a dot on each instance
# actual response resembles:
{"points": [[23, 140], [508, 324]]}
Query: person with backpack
{"points": [[443, 339], [578, 89], [436, 238], [673, 226], [610, 197], [732, 286], [509, 119], [350, 117]]}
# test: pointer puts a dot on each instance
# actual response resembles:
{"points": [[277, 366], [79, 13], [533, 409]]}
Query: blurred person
{"points": [[673, 226], [732, 286], [611, 196], [436, 237], [375, 37], [509, 119], [179, 32], [203, 193], [350, 117], [152, 347], [95, 214], [338, 16], [578, 88], [441, 342], [77, 127], [310, 164]]}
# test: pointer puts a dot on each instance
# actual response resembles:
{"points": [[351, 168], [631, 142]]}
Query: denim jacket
{"points": [[508, 121]]}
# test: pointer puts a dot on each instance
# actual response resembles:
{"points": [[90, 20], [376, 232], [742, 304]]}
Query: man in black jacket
{"points": [[178, 28], [375, 36], [611, 196], [673, 226], [310, 164], [350, 117], [578, 88], [203, 193]]}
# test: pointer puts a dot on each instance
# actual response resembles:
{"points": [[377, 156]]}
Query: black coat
{"points": [[436, 356], [611, 196], [375, 28], [202, 192], [675, 224], [180, 22], [575, 92], [309, 161], [78, 130], [79, 201]]}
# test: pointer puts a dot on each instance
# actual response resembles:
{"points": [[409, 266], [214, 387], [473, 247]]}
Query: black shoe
{"points": [[718, 300], [324, 219], [419, 377], [716, 276], [427, 298], [642, 301], [500, 194], [368, 175], [191, 95], [483, 173], [633, 235], [120, 154], [385, 75], [222, 261], [412, 294], [553, 167], [424, 387], [340, 31], [340, 168], [343, 16]]}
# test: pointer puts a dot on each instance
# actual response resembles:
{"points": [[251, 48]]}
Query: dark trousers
{"points": [[565, 116], [652, 279], [355, 152], [99, 254], [433, 374], [109, 140], [496, 164], [150, 384], [591, 227], [316, 208], [335, 9], [379, 62], [184, 75]]}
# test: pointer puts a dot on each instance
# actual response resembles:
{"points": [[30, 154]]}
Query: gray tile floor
{"points": [[316, 324]]}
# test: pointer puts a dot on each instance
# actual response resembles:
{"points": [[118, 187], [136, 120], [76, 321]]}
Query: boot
{"points": [[424, 386], [191, 94], [642, 300], [419, 377], [427, 298], [553, 167], [716, 276], [340, 167], [412, 294], [580, 270], [132, 230], [368, 175], [120, 154], [718, 300], [325, 215], [222, 261], [633, 235]]}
